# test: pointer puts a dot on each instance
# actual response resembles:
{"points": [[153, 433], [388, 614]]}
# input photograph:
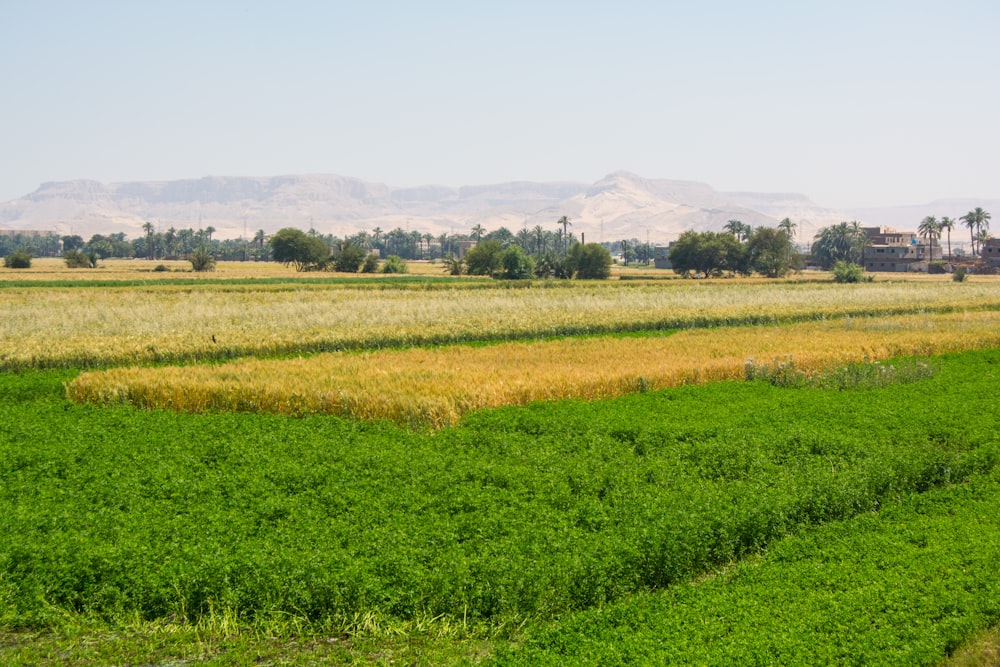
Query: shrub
{"points": [[959, 275], [589, 261], [160, 268], [292, 246], [517, 265], [849, 272], [370, 264], [486, 259], [454, 266], [19, 259], [349, 259], [393, 264], [202, 260], [80, 260]]}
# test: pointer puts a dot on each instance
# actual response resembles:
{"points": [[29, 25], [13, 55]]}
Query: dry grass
{"points": [[982, 651], [436, 386], [100, 326], [54, 268]]}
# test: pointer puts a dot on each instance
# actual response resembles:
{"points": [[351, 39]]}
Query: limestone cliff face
{"points": [[621, 205]]}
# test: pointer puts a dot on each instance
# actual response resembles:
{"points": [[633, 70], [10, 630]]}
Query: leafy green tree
{"points": [[394, 264], [350, 258], [769, 252], [74, 242], [293, 246], [503, 235], [589, 261], [486, 259], [516, 264], [707, 254]]}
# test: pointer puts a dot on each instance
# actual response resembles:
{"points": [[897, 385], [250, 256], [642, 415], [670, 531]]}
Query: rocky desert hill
{"points": [[621, 205]]}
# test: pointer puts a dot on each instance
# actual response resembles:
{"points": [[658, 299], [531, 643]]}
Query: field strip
{"points": [[84, 327], [437, 386], [906, 586]]}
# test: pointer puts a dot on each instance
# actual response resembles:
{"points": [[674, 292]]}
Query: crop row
{"points": [[437, 386], [904, 587], [87, 327], [518, 513]]}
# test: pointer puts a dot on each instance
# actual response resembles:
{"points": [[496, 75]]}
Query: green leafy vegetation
{"points": [[19, 259], [76, 259], [394, 264], [518, 514], [848, 272], [906, 586], [202, 260]]}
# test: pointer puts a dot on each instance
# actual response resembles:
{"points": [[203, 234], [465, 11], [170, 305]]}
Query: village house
{"points": [[990, 252], [890, 250]]}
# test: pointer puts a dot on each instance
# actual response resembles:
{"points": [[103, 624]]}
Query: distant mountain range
{"points": [[621, 205]]}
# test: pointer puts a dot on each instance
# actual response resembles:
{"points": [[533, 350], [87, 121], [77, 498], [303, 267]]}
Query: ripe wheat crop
{"points": [[437, 386], [87, 327]]}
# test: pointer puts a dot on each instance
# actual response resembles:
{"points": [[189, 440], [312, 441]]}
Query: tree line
{"points": [[740, 249]]}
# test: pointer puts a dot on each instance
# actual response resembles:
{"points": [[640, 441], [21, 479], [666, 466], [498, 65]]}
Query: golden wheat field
{"points": [[436, 386], [88, 326]]}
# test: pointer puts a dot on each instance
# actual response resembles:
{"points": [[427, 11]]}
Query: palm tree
{"points": [[170, 238], [930, 228], [478, 232], [844, 241], [735, 227], [946, 224], [148, 228], [566, 224], [539, 239], [377, 235], [788, 227], [977, 221]]}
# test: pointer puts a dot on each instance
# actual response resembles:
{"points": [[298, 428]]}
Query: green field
{"points": [[730, 523]]}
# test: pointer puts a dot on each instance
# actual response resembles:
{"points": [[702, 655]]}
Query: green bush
{"points": [[19, 259], [293, 246], [160, 268], [202, 260], [517, 265], [485, 259], [849, 272], [960, 274], [589, 261], [370, 264], [76, 259], [454, 266], [393, 264], [349, 259]]}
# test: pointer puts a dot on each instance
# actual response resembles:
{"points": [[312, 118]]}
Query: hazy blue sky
{"points": [[851, 103]]}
